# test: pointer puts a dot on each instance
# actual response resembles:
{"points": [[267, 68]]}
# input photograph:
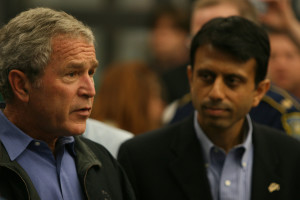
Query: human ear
{"points": [[261, 90], [19, 84], [190, 74]]}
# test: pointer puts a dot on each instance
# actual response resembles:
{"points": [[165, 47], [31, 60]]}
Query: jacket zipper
{"points": [[85, 175]]}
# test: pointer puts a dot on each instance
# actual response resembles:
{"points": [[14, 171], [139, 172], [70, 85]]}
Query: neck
{"points": [[18, 115], [226, 138]]}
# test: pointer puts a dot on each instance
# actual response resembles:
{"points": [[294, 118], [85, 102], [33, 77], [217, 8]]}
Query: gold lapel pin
{"points": [[274, 187]]}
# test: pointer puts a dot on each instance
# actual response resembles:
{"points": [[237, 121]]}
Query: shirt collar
{"points": [[207, 145], [16, 141], [68, 142]]}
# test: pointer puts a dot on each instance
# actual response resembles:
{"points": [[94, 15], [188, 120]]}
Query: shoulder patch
{"points": [[291, 123], [286, 103]]}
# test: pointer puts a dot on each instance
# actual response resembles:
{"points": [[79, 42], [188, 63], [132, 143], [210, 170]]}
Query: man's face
{"points": [[63, 101], [223, 90], [166, 39], [284, 64]]}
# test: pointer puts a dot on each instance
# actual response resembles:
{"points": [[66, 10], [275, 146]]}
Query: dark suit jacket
{"points": [[168, 164]]}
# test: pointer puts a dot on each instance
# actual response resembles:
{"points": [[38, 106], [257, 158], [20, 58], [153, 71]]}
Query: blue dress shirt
{"points": [[229, 174], [53, 178]]}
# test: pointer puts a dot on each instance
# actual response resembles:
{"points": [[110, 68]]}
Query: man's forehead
{"points": [[208, 52], [64, 42], [63, 47]]}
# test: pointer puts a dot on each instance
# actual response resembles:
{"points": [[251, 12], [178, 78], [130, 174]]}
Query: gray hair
{"points": [[25, 42]]}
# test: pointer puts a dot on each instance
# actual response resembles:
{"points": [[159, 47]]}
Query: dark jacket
{"points": [[99, 174], [168, 164]]}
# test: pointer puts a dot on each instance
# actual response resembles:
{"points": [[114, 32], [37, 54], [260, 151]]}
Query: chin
{"points": [[77, 129], [218, 125]]}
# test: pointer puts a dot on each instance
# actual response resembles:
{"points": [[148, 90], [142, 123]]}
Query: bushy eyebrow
{"points": [[80, 65], [94, 63], [239, 76], [204, 71]]}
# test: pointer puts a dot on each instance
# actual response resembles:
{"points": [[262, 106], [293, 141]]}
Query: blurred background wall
{"points": [[121, 27]]}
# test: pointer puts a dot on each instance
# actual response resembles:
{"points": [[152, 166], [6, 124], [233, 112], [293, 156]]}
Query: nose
{"points": [[216, 92], [87, 86]]}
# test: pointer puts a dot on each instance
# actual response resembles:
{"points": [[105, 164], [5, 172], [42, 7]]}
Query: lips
{"points": [[85, 112], [216, 111]]}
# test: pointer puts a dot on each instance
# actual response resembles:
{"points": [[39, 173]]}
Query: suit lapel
{"points": [[265, 181], [188, 166]]}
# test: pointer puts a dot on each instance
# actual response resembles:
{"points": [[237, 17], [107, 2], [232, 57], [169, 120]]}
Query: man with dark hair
{"points": [[277, 109], [219, 152]]}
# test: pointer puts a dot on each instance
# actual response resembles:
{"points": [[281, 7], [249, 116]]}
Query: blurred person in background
{"points": [[129, 97], [284, 64], [279, 14], [205, 10], [169, 29], [284, 32], [110, 137]]}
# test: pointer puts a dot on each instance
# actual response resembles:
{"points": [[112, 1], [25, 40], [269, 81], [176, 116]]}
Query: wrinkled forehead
{"points": [[63, 46]]}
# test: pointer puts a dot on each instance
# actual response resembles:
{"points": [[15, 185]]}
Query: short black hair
{"points": [[238, 37]]}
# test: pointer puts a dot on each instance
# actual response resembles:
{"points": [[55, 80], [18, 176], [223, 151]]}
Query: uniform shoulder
{"points": [[281, 100], [288, 106]]}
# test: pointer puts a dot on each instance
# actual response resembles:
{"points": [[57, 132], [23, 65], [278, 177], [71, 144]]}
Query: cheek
{"points": [[61, 99], [294, 67], [249, 102], [241, 100], [195, 88], [198, 96]]}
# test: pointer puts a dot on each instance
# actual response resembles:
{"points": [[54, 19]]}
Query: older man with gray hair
{"points": [[46, 78]]}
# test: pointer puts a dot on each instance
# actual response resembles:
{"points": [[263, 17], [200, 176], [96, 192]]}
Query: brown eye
{"points": [[206, 76], [234, 81], [92, 72]]}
